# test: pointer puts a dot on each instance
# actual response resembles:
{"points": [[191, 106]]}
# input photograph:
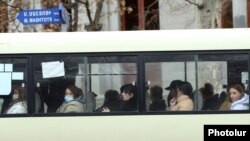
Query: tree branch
{"points": [[82, 2], [98, 11], [12, 6], [200, 6]]}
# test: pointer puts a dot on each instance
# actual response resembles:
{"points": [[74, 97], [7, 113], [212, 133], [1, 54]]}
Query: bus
{"points": [[44, 64]]}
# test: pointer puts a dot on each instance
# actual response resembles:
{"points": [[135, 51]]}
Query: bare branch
{"points": [[82, 2], [152, 4], [200, 6], [12, 6], [98, 11]]}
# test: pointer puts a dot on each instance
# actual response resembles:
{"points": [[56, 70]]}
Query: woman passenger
{"points": [[111, 101], [182, 101], [73, 101], [239, 99], [18, 104]]}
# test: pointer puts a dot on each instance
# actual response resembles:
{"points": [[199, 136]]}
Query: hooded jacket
{"points": [[242, 104], [74, 106]]}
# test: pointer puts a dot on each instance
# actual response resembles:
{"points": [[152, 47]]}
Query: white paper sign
{"points": [[5, 83], [1, 67], [53, 69], [17, 76], [244, 77], [8, 67]]}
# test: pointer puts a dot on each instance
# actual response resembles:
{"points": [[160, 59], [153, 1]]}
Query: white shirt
{"points": [[18, 108]]}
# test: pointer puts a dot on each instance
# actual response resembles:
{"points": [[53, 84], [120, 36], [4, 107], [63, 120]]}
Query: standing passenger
{"points": [[238, 97], [18, 104], [73, 101]]}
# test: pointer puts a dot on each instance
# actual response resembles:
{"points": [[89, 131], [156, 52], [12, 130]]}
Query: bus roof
{"points": [[125, 41]]}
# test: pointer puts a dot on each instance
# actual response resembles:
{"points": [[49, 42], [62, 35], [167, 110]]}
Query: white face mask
{"points": [[68, 98], [15, 96]]}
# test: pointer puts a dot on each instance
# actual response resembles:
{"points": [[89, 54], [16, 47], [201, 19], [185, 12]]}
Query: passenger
{"points": [[238, 97], [210, 100], [173, 87], [128, 97], [182, 101], [158, 104], [18, 104], [111, 101], [222, 97], [73, 101]]}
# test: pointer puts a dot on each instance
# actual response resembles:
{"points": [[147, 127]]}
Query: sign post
{"points": [[65, 14]]}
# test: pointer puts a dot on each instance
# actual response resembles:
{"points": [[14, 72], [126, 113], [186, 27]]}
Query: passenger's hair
{"points": [[156, 92], [238, 87], [75, 90], [129, 88], [111, 95], [21, 92], [186, 88], [207, 90]]}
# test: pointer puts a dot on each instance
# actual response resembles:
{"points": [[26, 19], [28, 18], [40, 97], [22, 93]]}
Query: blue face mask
{"points": [[68, 98]]}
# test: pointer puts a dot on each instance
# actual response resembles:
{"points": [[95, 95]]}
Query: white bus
{"points": [[44, 64]]}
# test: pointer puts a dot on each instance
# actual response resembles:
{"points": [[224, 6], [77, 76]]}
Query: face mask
{"points": [[15, 97], [68, 98]]}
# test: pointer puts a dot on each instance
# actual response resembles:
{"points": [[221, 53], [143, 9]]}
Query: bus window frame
{"points": [[140, 79]]}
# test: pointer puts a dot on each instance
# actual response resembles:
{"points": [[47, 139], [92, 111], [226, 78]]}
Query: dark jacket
{"points": [[112, 106], [130, 105], [158, 105]]}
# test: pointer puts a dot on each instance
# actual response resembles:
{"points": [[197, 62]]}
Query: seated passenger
{"points": [[129, 98], [111, 101], [182, 101], [18, 105], [157, 104], [172, 88], [210, 100], [73, 101], [239, 99]]}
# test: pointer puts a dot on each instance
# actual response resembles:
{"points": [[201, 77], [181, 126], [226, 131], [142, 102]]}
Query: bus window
{"points": [[13, 95], [215, 73], [164, 74], [93, 76]]}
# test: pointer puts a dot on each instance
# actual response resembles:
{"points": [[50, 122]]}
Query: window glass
{"points": [[13, 77], [85, 84], [164, 75], [218, 75]]}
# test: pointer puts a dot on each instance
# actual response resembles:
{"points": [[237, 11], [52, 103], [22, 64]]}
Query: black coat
{"points": [[158, 105]]}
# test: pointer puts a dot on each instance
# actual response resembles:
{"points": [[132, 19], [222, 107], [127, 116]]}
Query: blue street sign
{"points": [[40, 16]]}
